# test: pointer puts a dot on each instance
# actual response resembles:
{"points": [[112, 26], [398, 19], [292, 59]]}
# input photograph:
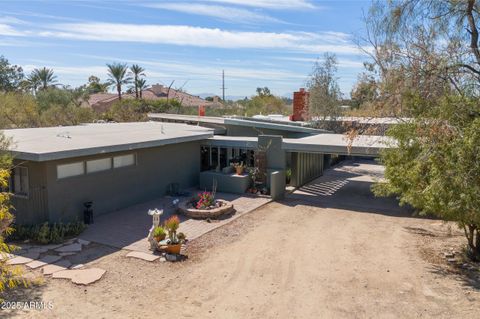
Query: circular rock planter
{"points": [[186, 208]]}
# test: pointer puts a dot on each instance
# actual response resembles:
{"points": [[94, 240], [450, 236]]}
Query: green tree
{"points": [[43, 78], [324, 89], [137, 71], [427, 66], [141, 85], [95, 86], [10, 76], [117, 73], [10, 276], [18, 110]]}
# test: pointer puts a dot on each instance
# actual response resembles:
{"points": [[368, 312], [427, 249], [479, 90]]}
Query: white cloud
{"points": [[216, 11], [271, 4], [201, 37], [8, 30], [342, 63], [11, 20]]}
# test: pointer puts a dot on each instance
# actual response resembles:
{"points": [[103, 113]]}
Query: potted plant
{"points": [[239, 168], [159, 233], [175, 241]]}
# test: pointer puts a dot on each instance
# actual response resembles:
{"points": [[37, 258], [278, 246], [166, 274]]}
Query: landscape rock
{"points": [[81, 276], [143, 256]]}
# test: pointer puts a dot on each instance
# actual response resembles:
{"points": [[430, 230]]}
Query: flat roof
{"points": [[362, 145], [52, 143], [289, 126], [187, 118]]}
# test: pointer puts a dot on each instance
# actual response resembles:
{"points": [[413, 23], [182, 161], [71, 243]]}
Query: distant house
{"points": [[101, 102]]}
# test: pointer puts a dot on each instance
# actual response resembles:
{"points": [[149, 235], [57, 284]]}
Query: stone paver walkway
{"points": [[51, 259], [128, 228]]}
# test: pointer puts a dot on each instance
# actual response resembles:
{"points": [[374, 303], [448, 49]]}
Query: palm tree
{"points": [[32, 82], [137, 71], [42, 78], [141, 84], [117, 73]]}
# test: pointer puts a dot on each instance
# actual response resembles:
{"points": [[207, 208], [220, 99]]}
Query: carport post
{"points": [[276, 163]]}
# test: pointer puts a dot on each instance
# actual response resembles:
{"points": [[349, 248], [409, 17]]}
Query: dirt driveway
{"points": [[336, 253]]}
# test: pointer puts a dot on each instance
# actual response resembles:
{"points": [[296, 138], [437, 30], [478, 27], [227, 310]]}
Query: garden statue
{"points": [[155, 213]]}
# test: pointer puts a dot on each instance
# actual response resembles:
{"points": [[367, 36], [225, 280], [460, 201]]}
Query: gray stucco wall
{"points": [[34, 208], [114, 189]]}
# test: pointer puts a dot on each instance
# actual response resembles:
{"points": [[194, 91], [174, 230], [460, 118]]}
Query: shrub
{"points": [[47, 233]]}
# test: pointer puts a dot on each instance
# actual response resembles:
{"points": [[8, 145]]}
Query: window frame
{"points": [[11, 184], [125, 166], [71, 176]]}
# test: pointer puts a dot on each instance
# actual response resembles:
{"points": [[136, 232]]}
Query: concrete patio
{"points": [[128, 228]]}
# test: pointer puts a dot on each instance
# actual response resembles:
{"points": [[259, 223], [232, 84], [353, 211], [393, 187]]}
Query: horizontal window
{"points": [[68, 170], [103, 164], [124, 160]]}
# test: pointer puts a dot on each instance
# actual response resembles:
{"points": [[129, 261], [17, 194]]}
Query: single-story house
{"points": [[116, 165], [101, 102]]}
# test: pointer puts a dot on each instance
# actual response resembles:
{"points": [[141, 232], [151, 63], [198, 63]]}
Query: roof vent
{"points": [[64, 135]]}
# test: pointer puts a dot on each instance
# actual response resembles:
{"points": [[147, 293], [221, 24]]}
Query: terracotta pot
{"points": [[240, 170], [173, 249], [160, 238]]}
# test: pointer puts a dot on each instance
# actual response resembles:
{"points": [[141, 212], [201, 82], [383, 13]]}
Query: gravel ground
{"points": [[293, 259]]}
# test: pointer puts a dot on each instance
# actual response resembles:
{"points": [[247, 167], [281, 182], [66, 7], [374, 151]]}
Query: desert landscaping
{"points": [[311, 255]]}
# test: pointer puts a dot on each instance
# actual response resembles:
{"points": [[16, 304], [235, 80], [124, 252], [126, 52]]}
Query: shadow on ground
{"points": [[23, 300]]}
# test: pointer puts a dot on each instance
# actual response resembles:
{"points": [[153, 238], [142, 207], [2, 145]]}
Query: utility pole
{"points": [[223, 86]]}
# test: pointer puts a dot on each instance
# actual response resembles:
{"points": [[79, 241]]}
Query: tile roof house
{"points": [[101, 102]]}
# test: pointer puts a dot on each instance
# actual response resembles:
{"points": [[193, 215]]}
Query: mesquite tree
{"points": [[426, 62]]}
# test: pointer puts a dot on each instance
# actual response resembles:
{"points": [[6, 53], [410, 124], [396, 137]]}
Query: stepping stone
{"points": [[30, 254], [53, 246], [19, 260], [141, 255], [43, 261], [38, 249], [58, 266], [4, 256], [83, 242], [77, 266], [70, 241], [69, 248], [81, 276], [66, 254]]}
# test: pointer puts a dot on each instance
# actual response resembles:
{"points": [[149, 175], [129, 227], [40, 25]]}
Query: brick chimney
{"points": [[300, 105], [215, 99], [157, 89]]}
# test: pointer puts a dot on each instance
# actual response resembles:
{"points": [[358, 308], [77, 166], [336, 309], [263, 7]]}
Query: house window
{"points": [[103, 164], [72, 169], [123, 160], [19, 181]]}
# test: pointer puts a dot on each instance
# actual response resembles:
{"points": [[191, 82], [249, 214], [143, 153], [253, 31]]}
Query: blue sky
{"points": [[257, 42]]}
